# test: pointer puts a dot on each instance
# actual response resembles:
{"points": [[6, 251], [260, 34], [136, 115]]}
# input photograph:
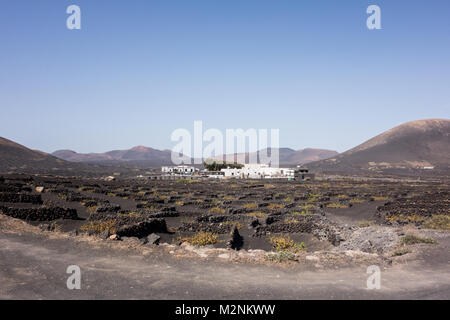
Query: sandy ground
{"points": [[33, 266]]}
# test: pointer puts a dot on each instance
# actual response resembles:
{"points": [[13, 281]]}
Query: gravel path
{"points": [[33, 266]]}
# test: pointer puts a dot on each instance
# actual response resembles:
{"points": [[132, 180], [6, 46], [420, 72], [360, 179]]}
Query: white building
{"points": [[182, 170], [259, 171], [215, 175]]}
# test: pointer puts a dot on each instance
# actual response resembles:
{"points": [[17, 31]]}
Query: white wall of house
{"points": [[258, 171], [216, 176], [179, 169]]}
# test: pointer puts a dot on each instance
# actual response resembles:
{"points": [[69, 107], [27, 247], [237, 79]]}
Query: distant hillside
{"points": [[287, 156], [70, 155], [308, 155], [15, 157], [146, 155], [417, 145]]}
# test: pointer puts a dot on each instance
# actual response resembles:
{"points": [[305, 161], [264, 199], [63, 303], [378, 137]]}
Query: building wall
{"points": [[179, 169], [262, 171]]}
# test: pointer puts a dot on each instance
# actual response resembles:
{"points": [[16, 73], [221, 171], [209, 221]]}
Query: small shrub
{"points": [[283, 243], [279, 257], [301, 213], [257, 214], [217, 210], [412, 239], [364, 224], [400, 252], [380, 198], [233, 223], [313, 197], [275, 206], [337, 206], [250, 206], [304, 210], [441, 222], [202, 239], [100, 226], [92, 209], [412, 218], [130, 214], [151, 208]]}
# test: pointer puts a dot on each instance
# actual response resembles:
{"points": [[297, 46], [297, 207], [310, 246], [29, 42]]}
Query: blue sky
{"points": [[137, 70]]}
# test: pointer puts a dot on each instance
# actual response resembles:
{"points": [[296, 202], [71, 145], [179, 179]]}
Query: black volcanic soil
{"points": [[320, 214]]}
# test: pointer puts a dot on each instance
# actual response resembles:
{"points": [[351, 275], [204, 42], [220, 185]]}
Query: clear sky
{"points": [[137, 70]]}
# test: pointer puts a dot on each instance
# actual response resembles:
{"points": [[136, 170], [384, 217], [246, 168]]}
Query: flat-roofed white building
{"points": [[183, 170], [258, 171]]}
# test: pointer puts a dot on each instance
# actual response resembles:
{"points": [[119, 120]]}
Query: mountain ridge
{"points": [[420, 144], [287, 156], [141, 153], [415, 145]]}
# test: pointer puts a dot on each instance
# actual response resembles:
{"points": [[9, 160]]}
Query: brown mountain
{"points": [[15, 157], [417, 145], [136, 155], [308, 155], [143, 155], [73, 156], [288, 156]]}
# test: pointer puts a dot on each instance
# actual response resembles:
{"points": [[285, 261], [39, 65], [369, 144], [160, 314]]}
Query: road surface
{"points": [[33, 266]]}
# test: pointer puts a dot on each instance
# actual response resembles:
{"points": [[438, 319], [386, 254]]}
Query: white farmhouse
{"points": [[181, 170], [258, 171]]}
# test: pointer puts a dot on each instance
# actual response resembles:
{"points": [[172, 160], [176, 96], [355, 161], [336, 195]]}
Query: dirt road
{"points": [[33, 266]]}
